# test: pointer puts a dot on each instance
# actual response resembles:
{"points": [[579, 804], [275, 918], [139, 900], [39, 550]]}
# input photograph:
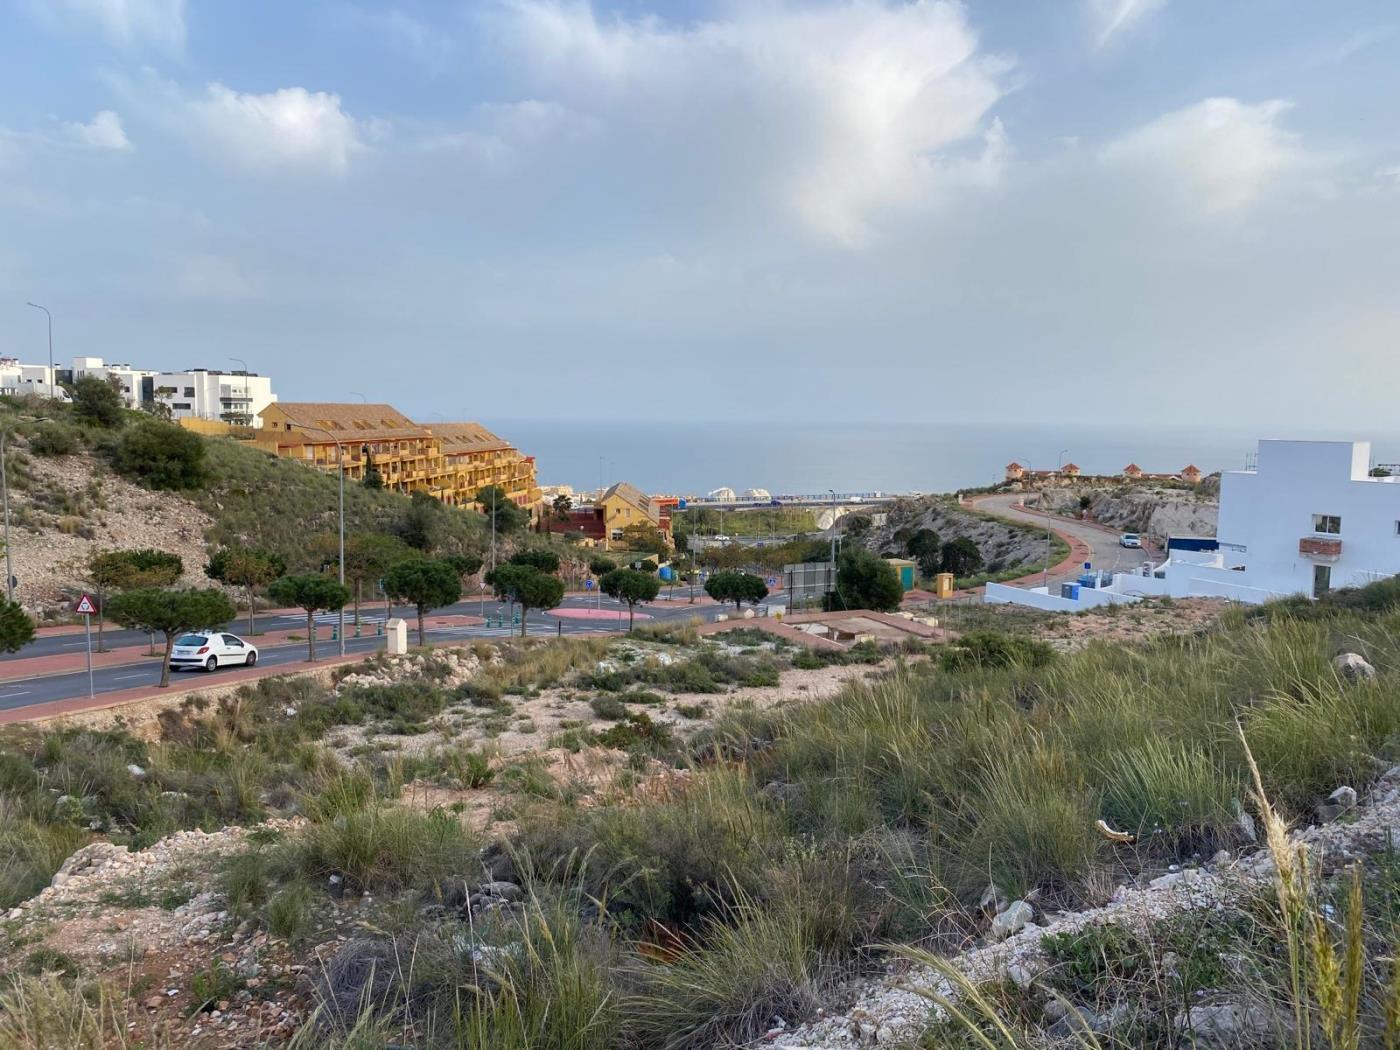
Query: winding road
{"points": [[1106, 552]]}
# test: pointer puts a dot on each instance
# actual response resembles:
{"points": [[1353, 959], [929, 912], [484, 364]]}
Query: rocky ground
{"points": [[62, 508], [1001, 544], [1150, 618], [893, 1011], [1153, 510]]}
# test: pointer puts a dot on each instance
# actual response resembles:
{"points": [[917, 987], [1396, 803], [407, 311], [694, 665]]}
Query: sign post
{"points": [[87, 608]]}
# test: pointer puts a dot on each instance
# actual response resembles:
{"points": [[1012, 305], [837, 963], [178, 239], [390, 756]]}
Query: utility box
{"points": [[396, 636], [904, 569], [943, 585]]}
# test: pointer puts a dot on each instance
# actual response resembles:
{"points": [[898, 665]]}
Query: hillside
{"points": [[67, 500], [670, 843], [1004, 545], [1156, 511]]}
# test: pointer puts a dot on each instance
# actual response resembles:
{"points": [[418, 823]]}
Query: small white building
{"points": [[1307, 518], [17, 379], [129, 381]]}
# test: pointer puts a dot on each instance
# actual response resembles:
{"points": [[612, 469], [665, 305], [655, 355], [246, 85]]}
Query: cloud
{"points": [[217, 278], [1115, 18], [104, 131], [1219, 155], [127, 23], [290, 129], [836, 115]]}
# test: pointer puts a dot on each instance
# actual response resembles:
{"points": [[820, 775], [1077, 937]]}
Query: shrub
{"points": [[985, 649], [387, 848], [52, 438], [162, 456], [610, 707], [289, 913]]}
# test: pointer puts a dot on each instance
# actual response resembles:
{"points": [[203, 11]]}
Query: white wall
{"points": [[1036, 598], [1267, 511]]}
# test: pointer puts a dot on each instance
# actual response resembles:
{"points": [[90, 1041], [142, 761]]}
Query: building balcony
{"points": [[1320, 549]]}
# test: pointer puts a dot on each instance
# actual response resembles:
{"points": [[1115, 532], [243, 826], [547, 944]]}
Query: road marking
{"points": [[124, 677], [22, 692], [72, 645]]}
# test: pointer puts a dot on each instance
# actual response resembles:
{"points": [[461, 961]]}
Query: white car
{"points": [[1130, 539], [211, 650]]}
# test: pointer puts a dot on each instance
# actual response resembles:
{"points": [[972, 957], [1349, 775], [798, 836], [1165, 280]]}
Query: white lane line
{"points": [[22, 692], [72, 645], [124, 677]]}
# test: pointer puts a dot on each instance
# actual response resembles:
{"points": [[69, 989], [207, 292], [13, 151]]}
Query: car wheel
{"points": [[211, 664], [250, 659]]}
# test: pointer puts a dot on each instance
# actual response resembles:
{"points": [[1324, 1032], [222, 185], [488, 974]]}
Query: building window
{"points": [[1328, 524], [1397, 528], [189, 391], [181, 406]]}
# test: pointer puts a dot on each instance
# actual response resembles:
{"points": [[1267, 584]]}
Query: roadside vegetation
{"points": [[739, 873]]}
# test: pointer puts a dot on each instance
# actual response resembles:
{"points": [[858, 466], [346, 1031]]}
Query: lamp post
{"points": [[248, 402], [340, 469], [1045, 509], [5, 498], [50, 317], [833, 542]]}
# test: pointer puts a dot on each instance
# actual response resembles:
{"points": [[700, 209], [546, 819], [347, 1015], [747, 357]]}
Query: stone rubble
{"points": [[884, 1013]]}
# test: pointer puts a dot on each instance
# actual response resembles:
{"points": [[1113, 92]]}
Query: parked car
{"points": [[211, 650], [1130, 539]]}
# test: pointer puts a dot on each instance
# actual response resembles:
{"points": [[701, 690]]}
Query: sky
{"points": [[1119, 211]]}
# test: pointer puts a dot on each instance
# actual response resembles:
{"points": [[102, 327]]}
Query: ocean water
{"points": [[693, 458]]}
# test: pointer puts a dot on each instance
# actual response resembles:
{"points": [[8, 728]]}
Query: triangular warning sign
{"points": [[86, 606]]}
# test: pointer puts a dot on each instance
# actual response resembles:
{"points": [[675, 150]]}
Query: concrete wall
{"points": [[1036, 598]]}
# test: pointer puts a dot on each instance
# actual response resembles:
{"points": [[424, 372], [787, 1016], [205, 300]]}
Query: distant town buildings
{"points": [[603, 521], [1071, 471], [450, 461]]}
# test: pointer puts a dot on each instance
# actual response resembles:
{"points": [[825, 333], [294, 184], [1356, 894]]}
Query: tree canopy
{"points": [[118, 570], [632, 587], [97, 401], [16, 628], [737, 587], [313, 593], [645, 537], [170, 613], [529, 587], [496, 504], [423, 522], [424, 583], [246, 567], [865, 581], [601, 566], [961, 557], [543, 560], [924, 547]]}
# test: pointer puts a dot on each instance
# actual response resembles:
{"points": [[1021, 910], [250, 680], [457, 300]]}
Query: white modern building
{"points": [[228, 397], [1307, 518], [197, 393], [17, 379]]}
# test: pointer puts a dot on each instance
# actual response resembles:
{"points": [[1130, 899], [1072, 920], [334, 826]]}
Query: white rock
{"points": [[1353, 667], [1012, 920]]}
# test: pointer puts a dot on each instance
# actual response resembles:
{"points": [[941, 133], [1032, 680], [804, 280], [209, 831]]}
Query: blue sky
{"points": [[1169, 211]]}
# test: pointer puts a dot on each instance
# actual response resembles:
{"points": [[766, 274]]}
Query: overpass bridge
{"points": [[814, 499]]}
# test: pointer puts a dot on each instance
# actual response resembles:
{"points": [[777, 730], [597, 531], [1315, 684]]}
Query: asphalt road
{"points": [[23, 692], [1106, 551]]}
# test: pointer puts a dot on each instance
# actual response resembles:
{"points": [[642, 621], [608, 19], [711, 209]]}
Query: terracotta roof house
{"points": [[1070, 470], [1132, 470], [1014, 471], [1191, 473]]}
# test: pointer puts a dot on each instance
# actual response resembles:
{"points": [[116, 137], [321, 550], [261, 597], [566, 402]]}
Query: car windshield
{"points": [[191, 639]]}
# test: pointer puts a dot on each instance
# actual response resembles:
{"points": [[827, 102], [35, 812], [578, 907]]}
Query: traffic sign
{"points": [[588, 585], [86, 606]]}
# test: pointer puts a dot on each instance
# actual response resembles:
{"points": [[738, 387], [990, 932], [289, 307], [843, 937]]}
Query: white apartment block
{"points": [[229, 397], [17, 379], [198, 393]]}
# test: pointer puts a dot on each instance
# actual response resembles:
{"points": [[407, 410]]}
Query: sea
{"points": [[688, 458]]}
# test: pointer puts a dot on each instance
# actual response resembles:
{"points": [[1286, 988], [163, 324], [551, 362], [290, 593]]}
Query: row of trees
{"points": [[959, 555]]}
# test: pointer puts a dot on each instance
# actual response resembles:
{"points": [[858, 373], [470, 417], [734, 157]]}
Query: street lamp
{"points": [[340, 469], [50, 317], [1045, 509], [4, 497], [248, 402]]}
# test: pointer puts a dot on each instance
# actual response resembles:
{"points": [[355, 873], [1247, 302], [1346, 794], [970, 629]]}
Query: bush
{"points": [[387, 848], [162, 456], [987, 649], [52, 438]]}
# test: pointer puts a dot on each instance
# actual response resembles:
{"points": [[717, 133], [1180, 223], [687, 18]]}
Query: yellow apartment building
{"points": [[474, 458], [451, 462]]}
